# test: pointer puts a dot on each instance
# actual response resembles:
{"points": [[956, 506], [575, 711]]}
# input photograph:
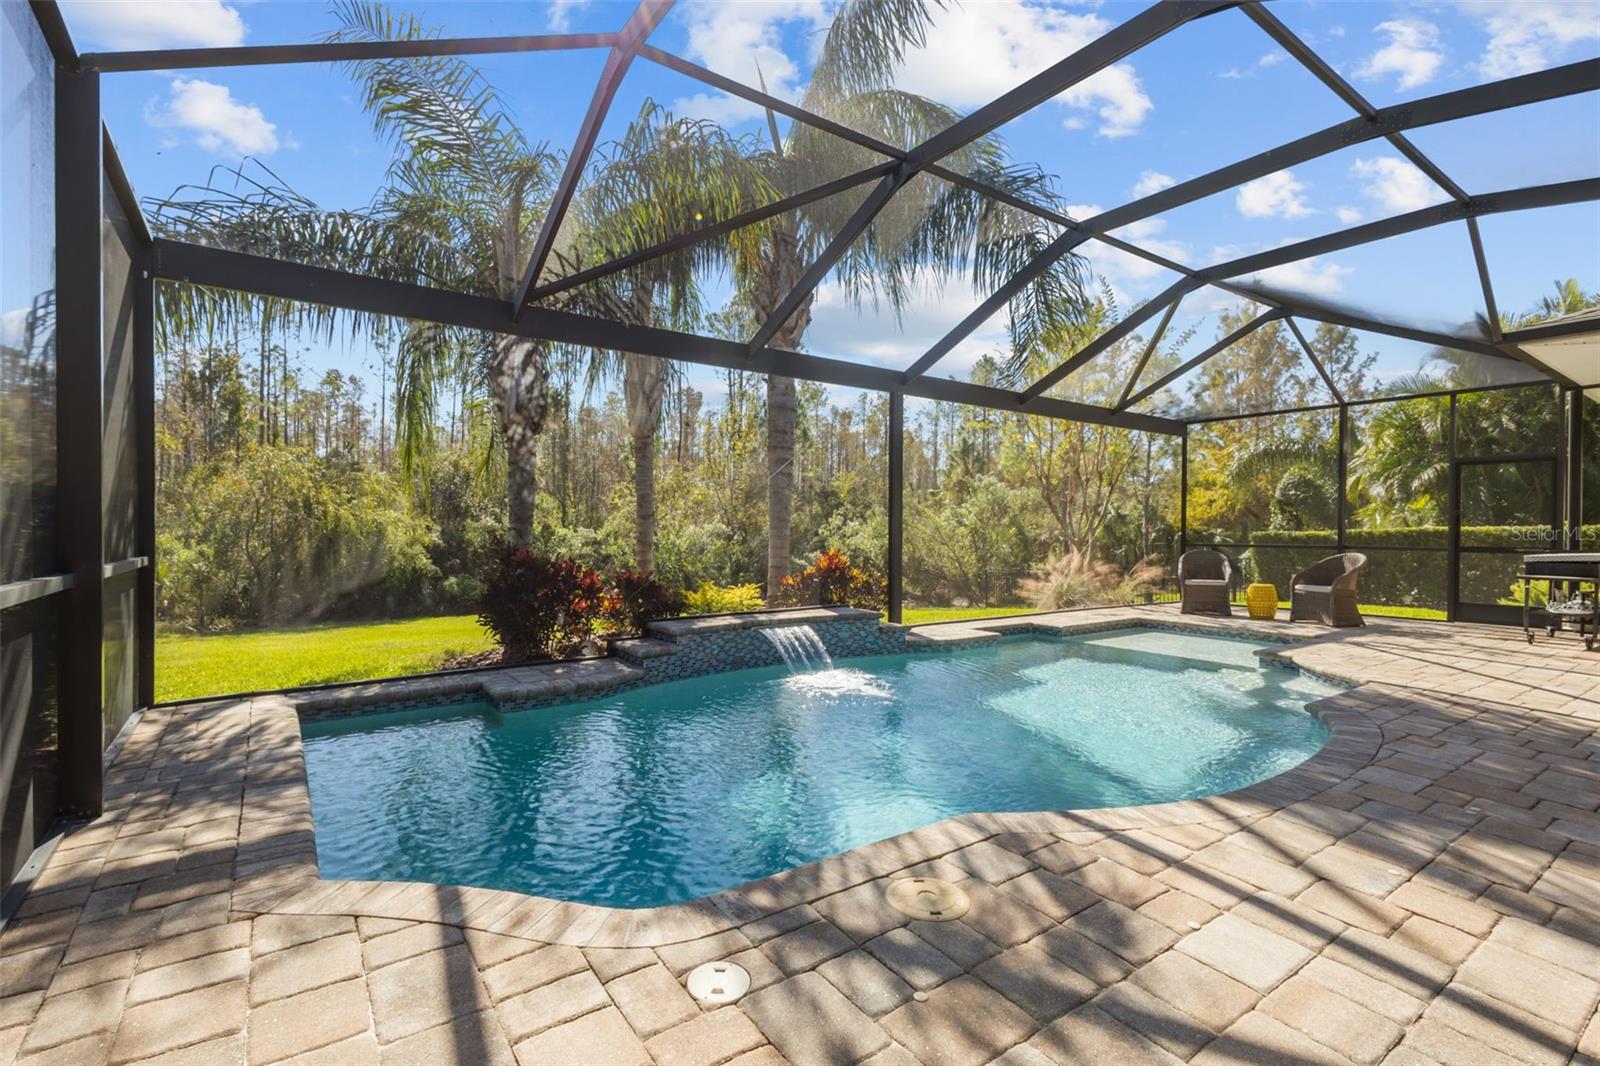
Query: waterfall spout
{"points": [[801, 648]]}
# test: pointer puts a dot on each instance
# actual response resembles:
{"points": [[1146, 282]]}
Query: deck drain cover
{"points": [[928, 898], [718, 982]]}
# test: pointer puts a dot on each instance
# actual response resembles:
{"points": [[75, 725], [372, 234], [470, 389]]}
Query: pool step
{"points": [[557, 681], [950, 636], [638, 650]]}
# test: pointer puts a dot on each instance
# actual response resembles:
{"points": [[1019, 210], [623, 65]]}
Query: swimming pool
{"points": [[673, 791]]}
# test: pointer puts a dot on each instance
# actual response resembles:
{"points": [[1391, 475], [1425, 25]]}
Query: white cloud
{"points": [[129, 24], [875, 335], [1309, 277], [1277, 195], [218, 122], [975, 52], [13, 325], [561, 11], [1270, 59], [1413, 53], [1124, 270], [1529, 35], [1350, 215], [1152, 181], [744, 41], [1313, 276], [1395, 184]]}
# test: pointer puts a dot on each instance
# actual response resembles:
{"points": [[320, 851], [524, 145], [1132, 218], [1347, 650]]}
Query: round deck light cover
{"points": [[928, 898], [718, 982]]}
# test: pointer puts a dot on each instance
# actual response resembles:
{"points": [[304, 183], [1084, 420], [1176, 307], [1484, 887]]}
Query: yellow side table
{"points": [[1262, 601]]}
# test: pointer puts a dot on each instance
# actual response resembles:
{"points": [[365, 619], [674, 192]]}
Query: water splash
{"points": [[838, 682], [801, 648]]}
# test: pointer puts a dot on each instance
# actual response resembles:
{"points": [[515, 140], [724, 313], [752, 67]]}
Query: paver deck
{"points": [[1425, 890]]}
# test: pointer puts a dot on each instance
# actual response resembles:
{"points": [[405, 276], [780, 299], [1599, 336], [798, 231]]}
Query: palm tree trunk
{"points": [[784, 268], [521, 486], [644, 380], [780, 478], [519, 381], [644, 501]]}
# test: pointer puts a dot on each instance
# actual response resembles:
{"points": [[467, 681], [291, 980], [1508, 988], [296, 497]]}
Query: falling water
{"points": [[801, 648]]}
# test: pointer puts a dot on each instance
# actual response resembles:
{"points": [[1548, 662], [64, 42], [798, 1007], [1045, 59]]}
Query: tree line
{"points": [[282, 500]]}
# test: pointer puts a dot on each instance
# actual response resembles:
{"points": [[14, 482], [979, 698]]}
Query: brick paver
{"points": [[1422, 892]]}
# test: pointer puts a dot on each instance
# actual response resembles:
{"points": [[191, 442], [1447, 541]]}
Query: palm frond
{"points": [[865, 43]]}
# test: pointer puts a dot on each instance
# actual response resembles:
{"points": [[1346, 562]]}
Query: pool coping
{"points": [[278, 806]]}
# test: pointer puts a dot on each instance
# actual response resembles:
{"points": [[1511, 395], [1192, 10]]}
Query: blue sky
{"points": [[1210, 93]]}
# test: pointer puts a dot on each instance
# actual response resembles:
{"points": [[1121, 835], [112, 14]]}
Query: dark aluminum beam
{"points": [[1118, 43], [639, 26], [1553, 195], [47, 13], [854, 226], [1464, 103], [995, 301], [716, 229], [80, 427], [343, 52], [1491, 311], [1149, 25], [837, 129], [144, 399], [895, 563], [1324, 73], [1216, 349], [1149, 350], [199, 265], [1369, 401], [1133, 321], [1293, 305], [122, 187], [1553, 330], [1512, 92], [1327, 379], [768, 101], [1339, 317]]}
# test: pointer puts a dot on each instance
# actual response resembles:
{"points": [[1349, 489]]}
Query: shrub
{"points": [[723, 599], [634, 598], [533, 604], [1076, 580], [831, 580]]}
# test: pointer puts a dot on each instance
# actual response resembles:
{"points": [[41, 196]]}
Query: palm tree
{"points": [[1400, 461], [929, 227], [466, 192], [661, 179], [1569, 298]]}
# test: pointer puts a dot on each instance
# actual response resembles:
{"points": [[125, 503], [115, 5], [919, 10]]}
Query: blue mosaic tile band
{"points": [[676, 651]]}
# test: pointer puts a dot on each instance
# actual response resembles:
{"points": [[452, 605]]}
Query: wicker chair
{"points": [[1203, 579], [1326, 591]]}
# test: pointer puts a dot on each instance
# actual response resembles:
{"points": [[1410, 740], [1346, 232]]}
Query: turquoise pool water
{"points": [[672, 791]]}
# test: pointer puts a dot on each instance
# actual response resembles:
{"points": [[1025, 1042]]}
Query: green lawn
{"points": [[916, 616], [189, 666], [1383, 611], [215, 664]]}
